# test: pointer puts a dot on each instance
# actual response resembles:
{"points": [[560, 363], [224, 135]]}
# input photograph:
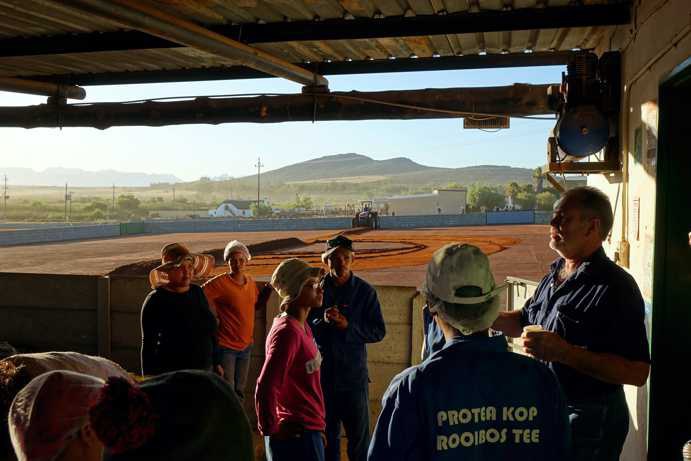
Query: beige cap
{"points": [[460, 274], [290, 276]]}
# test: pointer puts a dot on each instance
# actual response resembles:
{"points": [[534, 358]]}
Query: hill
{"points": [[360, 168]]}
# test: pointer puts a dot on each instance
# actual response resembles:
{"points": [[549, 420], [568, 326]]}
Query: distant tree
{"points": [[485, 197], [96, 206], [538, 178], [97, 215], [512, 189], [525, 200], [453, 185], [545, 200], [261, 211], [128, 202], [302, 201]]}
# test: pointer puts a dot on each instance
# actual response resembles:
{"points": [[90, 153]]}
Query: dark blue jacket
{"points": [[598, 308], [344, 365], [473, 400]]}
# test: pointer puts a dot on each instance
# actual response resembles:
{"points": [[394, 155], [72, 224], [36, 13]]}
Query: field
{"points": [[386, 257]]}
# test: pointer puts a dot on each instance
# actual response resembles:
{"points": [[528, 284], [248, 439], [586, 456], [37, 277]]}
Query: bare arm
{"points": [[509, 323], [610, 368], [607, 367]]}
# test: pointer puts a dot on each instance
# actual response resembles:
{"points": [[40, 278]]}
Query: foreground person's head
{"points": [[460, 288], [183, 415], [49, 418]]}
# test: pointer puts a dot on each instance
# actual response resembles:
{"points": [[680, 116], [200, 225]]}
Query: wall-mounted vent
{"points": [[486, 123]]}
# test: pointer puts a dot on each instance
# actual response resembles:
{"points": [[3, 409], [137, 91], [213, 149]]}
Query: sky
{"points": [[192, 151]]}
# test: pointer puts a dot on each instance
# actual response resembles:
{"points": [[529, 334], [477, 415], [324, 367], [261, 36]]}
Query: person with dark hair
{"points": [[179, 416], [288, 397], [18, 370], [349, 318], [590, 323], [178, 328], [473, 398], [232, 297]]}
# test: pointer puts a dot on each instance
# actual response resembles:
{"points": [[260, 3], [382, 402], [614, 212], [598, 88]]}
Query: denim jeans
{"points": [[599, 428], [236, 366], [309, 446]]}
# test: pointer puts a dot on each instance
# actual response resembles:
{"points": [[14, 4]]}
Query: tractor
{"points": [[367, 216]]}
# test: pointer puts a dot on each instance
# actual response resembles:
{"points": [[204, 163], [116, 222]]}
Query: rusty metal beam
{"points": [[20, 85], [146, 18], [514, 100], [491, 61], [540, 17]]}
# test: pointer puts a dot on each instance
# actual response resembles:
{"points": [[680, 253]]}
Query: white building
{"points": [[442, 201], [238, 208]]}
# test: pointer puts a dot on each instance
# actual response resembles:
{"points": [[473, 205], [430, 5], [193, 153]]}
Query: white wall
{"points": [[657, 42]]}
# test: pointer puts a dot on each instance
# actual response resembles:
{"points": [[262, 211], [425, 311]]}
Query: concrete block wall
{"points": [[50, 312], [58, 234]]}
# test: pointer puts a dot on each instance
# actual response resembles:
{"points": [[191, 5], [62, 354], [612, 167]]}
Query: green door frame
{"points": [[670, 387]]}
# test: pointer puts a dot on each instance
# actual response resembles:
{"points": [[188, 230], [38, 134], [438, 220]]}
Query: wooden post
{"points": [[103, 319]]}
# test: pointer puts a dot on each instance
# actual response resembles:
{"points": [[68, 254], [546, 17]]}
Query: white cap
{"points": [[459, 274], [236, 245]]}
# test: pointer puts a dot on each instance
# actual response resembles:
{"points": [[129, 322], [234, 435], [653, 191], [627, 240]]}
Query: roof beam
{"points": [[338, 29], [517, 99], [146, 18], [325, 68], [57, 90]]}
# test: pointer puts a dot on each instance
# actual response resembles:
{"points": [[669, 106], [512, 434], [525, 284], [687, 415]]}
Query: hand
{"points": [[220, 372], [545, 345], [289, 430], [333, 316]]}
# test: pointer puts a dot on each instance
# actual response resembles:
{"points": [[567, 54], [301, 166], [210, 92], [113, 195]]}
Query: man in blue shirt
{"points": [[349, 318], [473, 399], [593, 332]]}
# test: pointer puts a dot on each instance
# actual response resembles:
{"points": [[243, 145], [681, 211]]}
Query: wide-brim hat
{"points": [[174, 255], [290, 277], [333, 244]]}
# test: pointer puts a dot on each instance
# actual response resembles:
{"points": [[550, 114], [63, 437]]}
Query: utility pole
{"points": [[173, 192], [112, 209], [259, 170], [4, 200], [66, 199]]}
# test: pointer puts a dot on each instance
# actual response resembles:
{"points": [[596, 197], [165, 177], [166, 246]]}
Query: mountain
{"points": [[76, 177], [360, 168]]}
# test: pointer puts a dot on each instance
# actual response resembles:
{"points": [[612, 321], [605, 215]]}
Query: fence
{"points": [[51, 233]]}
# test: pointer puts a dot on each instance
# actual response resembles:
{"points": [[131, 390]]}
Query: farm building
{"points": [[441, 201]]}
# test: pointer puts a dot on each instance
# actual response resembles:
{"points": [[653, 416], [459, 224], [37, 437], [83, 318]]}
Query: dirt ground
{"points": [[391, 257]]}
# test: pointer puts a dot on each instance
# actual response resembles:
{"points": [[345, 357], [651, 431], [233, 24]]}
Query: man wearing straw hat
{"points": [[473, 399], [178, 329]]}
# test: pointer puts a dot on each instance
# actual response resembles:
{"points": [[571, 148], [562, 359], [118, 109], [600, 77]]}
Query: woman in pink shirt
{"points": [[288, 398]]}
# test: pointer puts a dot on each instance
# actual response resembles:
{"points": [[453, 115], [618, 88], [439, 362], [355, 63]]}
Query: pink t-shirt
{"points": [[289, 387]]}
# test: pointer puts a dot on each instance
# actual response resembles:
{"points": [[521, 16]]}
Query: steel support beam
{"points": [[146, 18], [517, 99], [332, 68], [338, 29], [20, 85]]}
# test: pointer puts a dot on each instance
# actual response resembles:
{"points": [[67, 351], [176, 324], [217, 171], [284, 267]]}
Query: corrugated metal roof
{"points": [[52, 20]]}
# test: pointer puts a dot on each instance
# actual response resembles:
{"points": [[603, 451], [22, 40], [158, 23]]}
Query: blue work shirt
{"points": [[473, 399], [434, 337], [344, 355], [598, 308]]}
